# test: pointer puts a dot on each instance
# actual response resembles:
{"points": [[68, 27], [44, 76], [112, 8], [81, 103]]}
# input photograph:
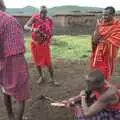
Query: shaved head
{"points": [[2, 5], [43, 8], [95, 80], [43, 12], [97, 76]]}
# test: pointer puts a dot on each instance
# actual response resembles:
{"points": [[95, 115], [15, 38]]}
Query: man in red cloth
{"points": [[14, 75], [105, 43], [41, 27]]}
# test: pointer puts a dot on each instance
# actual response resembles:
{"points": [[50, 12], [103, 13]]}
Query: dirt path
{"points": [[70, 74]]}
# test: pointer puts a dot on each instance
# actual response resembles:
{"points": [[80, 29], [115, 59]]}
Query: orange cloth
{"points": [[104, 53], [41, 54], [41, 50]]}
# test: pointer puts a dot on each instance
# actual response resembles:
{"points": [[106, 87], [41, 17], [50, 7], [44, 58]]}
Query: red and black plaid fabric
{"points": [[45, 26], [41, 50], [11, 36], [110, 114], [14, 77]]}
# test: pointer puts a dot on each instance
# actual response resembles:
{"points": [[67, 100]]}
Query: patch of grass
{"points": [[67, 47], [28, 50], [75, 47]]}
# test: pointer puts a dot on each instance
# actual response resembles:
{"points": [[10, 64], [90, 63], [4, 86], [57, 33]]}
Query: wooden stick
{"points": [[42, 97]]}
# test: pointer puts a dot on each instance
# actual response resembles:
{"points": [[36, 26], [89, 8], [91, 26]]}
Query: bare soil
{"points": [[70, 74]]}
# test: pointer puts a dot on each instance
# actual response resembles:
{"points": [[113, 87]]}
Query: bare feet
{"points": [[54, 82], [40, 80], [25, 118]]}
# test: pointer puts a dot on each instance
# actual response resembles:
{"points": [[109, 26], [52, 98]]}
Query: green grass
{"points": [[67, 47], [70, 48]]}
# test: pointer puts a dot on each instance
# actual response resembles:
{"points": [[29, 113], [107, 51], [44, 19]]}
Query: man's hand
{"points": [[41, 33], [97, 37], [61, 104], [83, 93], [35, 30], [67, 103]]}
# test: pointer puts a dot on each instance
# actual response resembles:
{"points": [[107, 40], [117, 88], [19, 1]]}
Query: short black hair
{"points": [[111, 9], [98, 75]]}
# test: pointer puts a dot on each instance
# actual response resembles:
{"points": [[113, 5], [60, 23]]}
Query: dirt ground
{"points": [[70, 74]]}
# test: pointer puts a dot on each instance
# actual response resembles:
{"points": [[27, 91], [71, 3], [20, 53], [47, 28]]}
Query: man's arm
{"points": [[96, 37], [28, 25], [71, 101], [50, 30], [74, 99], [99, 105]]}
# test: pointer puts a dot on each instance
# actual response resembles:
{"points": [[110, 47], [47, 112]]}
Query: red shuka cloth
{"points": [[104, 54], [41, 51]]}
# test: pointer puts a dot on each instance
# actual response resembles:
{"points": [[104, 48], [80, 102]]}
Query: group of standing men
{"points": [[14, 75]]}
